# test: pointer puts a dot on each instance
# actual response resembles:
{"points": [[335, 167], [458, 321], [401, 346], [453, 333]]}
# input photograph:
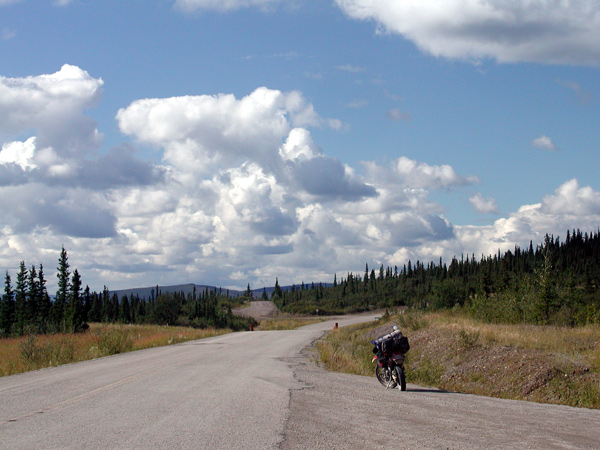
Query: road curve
{"points": [[227, 392], [260, 390]]}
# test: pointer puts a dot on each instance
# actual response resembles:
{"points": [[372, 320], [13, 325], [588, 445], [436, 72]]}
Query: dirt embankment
{"points": [[463, 362]]}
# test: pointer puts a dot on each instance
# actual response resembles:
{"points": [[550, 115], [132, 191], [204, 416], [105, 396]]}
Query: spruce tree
{"points": [[7, 308], [21, 301], [33, 301], [547, 301], [87, 303], [74, 312], [277, 293], [61, 298], [125, 310], [106, 305], [44, 303], [95, 313]]}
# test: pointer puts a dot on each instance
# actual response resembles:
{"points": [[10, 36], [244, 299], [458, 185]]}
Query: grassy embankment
{"points": [[545, 364]]}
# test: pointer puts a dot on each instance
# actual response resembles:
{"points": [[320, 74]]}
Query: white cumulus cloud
{"points": [[409, 173], [220, 128], [242, 193], [545, 31], [19, 153], [53, 182], [484, 205], [544, 142], [572, 200], [53, 105]]}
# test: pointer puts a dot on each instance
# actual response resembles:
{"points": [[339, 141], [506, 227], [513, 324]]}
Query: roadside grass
{"points": [[348, 349], [569, 340], [286, 324], [451, 351], [18, 355]]}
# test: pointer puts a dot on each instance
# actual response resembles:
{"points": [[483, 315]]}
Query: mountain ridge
{"points": [[188, 288]]}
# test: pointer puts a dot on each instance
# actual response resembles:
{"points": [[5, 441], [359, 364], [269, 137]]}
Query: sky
{"points": [[233, 142]]}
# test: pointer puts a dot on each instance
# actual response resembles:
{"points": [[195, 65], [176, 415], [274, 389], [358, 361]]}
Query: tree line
{"points": [[27, 308], [554, 282]]}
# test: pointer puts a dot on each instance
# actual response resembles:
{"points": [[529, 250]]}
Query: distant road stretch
{"points": [[259, 309], [261, 390]]}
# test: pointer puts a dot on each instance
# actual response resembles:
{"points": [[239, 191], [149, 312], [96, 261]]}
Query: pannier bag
{"points": [[388, 346], [394, 345], [403, 344]]}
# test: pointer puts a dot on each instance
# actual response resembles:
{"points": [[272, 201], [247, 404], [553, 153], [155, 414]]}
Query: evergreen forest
{"points": [[27, 307], [554, 283]]}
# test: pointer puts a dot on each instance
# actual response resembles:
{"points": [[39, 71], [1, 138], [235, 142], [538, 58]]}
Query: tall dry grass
{"points": [[286, 324], [580, 341], [348, 350], [26, 353]]}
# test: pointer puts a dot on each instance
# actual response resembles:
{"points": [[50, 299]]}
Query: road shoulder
{"points": [[341, 411]]}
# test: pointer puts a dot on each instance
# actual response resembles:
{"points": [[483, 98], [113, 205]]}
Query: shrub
{"points": [[37, 355], [114, 340], [468, 339], [412, 321]]}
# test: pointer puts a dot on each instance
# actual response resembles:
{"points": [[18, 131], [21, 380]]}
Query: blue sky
{"points": [[234, 141]]}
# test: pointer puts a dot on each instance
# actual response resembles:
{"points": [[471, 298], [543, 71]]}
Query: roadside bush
{"points": [[113, 341], [37, 356], [411, 321], [468, 339]]}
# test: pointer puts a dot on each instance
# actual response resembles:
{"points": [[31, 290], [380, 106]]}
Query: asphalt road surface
{"points": [[261, 390]]}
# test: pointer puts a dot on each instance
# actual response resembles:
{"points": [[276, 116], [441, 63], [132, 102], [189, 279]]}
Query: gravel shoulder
{"points": [[341, 411]]}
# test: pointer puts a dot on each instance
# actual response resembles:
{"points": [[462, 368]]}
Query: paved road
{"points": [[228, 392], [260, 390]]}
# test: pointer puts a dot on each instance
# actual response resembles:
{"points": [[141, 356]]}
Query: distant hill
{"points": [[147, 292]]}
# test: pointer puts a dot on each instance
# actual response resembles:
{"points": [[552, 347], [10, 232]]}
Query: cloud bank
{"points": [[238, 192]]}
